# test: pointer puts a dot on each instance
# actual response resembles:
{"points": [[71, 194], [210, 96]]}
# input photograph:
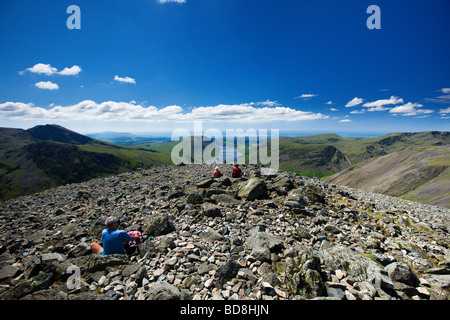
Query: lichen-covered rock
{"points": [[301, 275]]}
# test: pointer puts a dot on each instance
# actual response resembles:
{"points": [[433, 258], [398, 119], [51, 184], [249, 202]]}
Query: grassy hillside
{"points": [[310, 159], [419, 174], [47, 156]]}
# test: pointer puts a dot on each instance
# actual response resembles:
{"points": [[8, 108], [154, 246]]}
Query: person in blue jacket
{"points": [[114, 239]]}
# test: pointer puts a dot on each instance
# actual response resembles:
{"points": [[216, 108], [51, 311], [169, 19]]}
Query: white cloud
{"points": [[445, 110], [377, 108], [47, 69], [123, 111], [266, 103], [166, 1], [354, 102], [47, 85], [445, 90], [358, 111], [380, 103], [306, 96], [71, 71], [333, 109], [19, 110], [126, 79], [330, 102], [410, 109], [41, 68], [345, 120], [444, 99], [247, 113]]}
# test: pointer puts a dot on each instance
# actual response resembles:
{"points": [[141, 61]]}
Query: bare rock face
{"points": [[277, 237]]}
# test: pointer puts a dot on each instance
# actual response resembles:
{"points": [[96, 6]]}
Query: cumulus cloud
{"points": [[47, 85], [354, 102], [125, 79], [410, 109], [73, 71], [19, 110], [124, 111], [47, 69], [41, 68]]}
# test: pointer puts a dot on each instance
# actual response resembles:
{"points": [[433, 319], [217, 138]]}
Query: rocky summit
{"points": [[260, 237]]}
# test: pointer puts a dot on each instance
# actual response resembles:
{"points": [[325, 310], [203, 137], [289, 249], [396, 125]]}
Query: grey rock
{"points": [[226, 272], [162, 291], [401, 272], [253, 189], [159, 225], [212, 211], [81, 249], [264, 240]]}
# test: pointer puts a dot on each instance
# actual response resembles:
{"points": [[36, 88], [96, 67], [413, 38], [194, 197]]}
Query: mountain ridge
{"points": [[46, 156], [419, 174], [322, 156]]}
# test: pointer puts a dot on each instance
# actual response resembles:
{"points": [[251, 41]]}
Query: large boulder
{"points": [[301, 275], [212, 210], [253, 189], [343, 258], [226, 272], [401, 272], [262, 244], [205, 183], [162, 291], [159, 224], [39, 282]]}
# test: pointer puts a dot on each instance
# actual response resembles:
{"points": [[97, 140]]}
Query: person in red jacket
{"points": [[217, 173], [237, 172]]}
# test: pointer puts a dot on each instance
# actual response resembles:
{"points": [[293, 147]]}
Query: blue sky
{"points": [[150, 66]]}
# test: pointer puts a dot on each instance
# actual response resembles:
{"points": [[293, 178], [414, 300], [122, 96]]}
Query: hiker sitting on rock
{"points": [[217, 173], [114, 240], [237, 172]]}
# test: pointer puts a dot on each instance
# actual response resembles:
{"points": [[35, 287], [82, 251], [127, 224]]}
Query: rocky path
{"points": [[258, 237]]}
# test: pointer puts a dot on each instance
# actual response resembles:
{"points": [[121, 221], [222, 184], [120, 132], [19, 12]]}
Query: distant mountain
{"points": [[409, 165], [60, 134], [50, 155], [419, 174], [326, 154]]}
